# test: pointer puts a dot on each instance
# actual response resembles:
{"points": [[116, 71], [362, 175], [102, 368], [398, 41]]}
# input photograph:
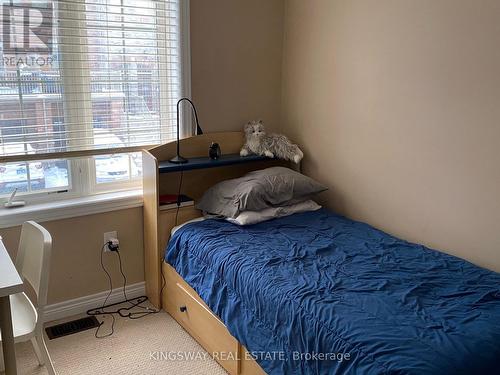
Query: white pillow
{"points": [[254, 217]]}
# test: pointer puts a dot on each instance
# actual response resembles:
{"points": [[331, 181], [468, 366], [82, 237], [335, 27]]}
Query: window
{"points": [[92, 78]]}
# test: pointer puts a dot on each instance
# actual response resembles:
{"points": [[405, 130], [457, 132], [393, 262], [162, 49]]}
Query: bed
{"points": [[317, 293]]}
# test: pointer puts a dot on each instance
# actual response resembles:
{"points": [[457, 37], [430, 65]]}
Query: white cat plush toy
{"points": [[270, 145]]}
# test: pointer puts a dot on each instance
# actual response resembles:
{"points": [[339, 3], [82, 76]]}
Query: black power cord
{"points": [[179, 197], [96, 334], [124, 312], [163, 280]]}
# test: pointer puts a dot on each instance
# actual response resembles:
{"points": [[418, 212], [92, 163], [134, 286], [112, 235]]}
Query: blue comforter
{"points": [[317, 293]]}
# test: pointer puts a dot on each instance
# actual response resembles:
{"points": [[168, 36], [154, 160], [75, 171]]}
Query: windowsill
{"points": [[63, 209]]}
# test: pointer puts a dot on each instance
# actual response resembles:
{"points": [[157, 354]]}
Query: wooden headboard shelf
{"points": [[199, 174]]}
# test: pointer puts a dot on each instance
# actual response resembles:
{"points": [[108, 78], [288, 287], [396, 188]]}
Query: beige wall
{"points": [[396, 104], [236, 61], [75, 268]]}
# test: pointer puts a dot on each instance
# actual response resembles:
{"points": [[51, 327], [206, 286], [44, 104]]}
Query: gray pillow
{"points": [[258, 190]]}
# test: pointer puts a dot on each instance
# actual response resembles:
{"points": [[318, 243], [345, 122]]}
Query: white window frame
{"points": [[54, 194], [82, 176], [106, 187]]}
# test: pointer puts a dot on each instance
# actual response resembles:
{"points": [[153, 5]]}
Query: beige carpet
{"points": [[136, 347]]}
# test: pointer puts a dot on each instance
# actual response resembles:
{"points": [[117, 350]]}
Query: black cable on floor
{"points": [[139, 300], [96, 334], [123, 312]]}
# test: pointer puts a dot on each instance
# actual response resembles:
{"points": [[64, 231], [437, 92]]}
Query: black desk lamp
{"points": [[178, 159]]}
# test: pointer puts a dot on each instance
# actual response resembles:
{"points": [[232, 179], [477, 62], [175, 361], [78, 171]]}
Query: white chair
{"points": [[33, 263]]}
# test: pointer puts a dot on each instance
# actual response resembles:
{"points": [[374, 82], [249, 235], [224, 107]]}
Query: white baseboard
{"points": [[82, 304]]}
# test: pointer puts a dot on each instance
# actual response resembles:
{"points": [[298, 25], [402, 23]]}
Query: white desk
{"points": [[10, 283]]}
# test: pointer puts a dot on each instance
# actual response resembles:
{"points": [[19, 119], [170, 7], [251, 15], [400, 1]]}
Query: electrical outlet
{"points": [[107, 237]]}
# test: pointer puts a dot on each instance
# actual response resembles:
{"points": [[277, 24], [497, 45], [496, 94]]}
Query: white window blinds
{"points": [[87, 75]]}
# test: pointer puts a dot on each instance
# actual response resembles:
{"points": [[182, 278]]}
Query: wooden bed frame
{"points": [[177, 297]]}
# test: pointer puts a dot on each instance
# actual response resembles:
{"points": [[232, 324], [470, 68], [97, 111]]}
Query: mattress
{"points": [[317, 293], [177, 227]]}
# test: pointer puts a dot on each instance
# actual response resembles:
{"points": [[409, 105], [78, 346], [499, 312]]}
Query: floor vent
{"points": [[71, 327]]}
